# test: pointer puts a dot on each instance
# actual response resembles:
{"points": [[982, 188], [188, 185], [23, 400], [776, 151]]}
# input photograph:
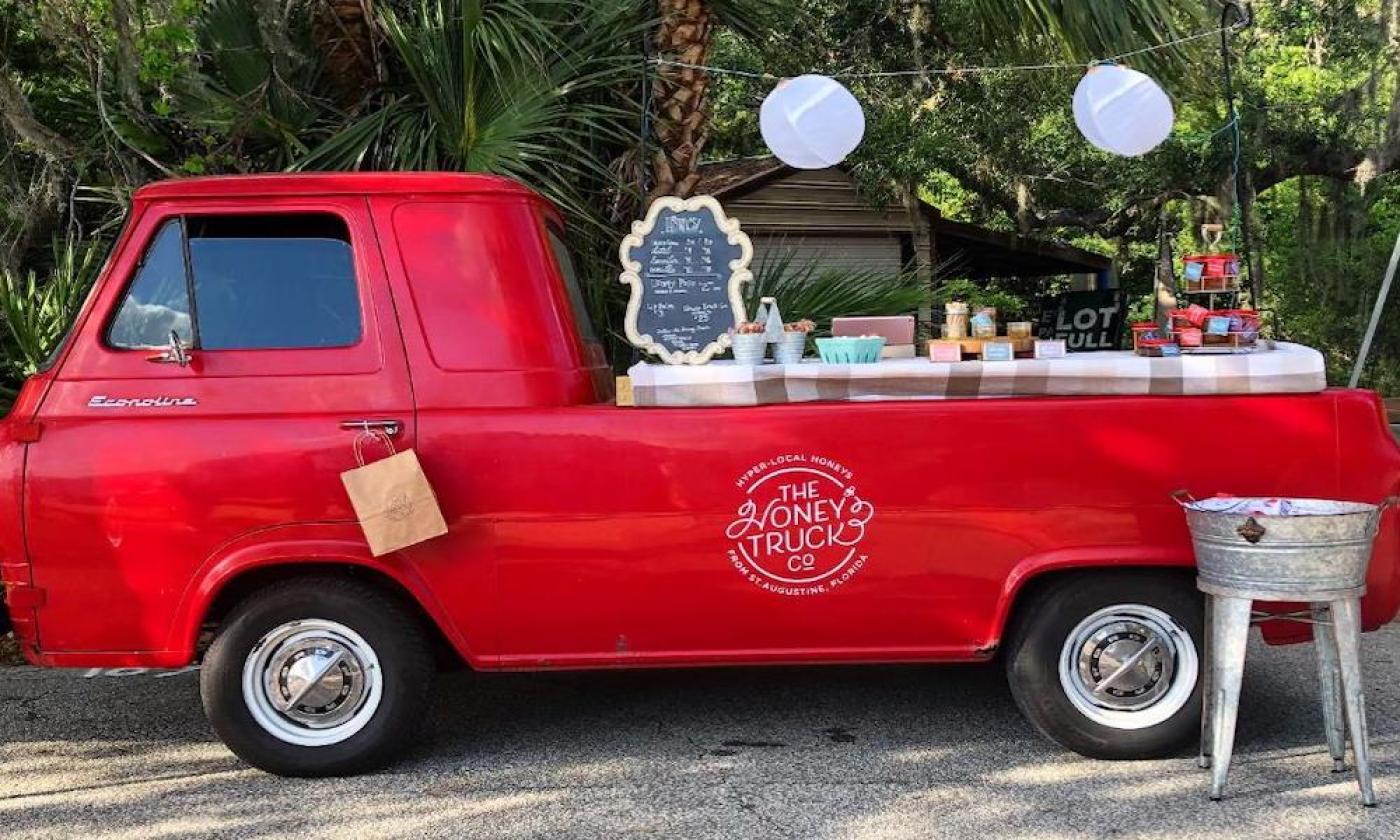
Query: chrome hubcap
{"points": [[1128, 666], [312, 683], [1125, 665]]}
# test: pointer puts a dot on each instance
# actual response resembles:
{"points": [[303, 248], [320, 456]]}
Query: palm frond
{"points": [[249, 91], [1089, 29], [493, 87], [810, 289]]}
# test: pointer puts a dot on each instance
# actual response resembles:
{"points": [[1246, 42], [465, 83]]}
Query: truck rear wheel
{"points": [[317, 677], [1110, 666]]}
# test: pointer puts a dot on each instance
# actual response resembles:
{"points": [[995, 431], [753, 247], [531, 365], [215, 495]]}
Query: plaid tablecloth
{"points": [[1287, 368]]}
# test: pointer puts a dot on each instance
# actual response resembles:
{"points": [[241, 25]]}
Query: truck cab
{"points": [[173, 493]]}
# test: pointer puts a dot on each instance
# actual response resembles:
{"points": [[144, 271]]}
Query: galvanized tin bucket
{"points": [[749, 348], [789, 350], [1316, 548]]}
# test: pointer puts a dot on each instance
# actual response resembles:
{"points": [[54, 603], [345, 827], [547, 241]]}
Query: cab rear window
{"points": [[572, 285], [245, 282]]}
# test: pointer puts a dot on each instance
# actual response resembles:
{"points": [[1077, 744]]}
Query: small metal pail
{"points": [[1316, 548], [749, 348], [789, 351]]}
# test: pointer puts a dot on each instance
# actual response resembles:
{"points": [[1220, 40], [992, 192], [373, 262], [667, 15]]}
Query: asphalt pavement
{"points": [[850, 752]]}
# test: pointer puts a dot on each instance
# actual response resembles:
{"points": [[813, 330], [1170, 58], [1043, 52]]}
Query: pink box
{"points": [[945, 351], [896, 329]]}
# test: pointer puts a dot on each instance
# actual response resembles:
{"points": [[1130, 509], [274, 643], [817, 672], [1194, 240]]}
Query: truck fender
{"points": [[302, 544], [1036, 566]]}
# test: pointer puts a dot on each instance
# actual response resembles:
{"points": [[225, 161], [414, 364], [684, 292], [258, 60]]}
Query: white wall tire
{"points": [[1128, 666], [1108, 664], [318, 677]]}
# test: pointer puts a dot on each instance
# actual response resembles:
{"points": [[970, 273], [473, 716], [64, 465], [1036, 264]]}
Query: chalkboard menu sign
{"points": [[685, 262], [1085, 320]]}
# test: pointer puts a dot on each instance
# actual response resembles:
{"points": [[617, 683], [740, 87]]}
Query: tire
{"points": [[1073, 634], [378, 668]]}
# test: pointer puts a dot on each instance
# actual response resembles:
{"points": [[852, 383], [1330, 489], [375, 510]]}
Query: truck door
{"points": [[151, 459]]}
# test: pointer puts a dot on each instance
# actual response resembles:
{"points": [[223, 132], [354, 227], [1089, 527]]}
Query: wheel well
{"points": [[246, 584], [1038, 584]]}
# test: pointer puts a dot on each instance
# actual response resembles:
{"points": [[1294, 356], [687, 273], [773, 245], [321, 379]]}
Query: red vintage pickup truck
{"points": [[175, 501]]}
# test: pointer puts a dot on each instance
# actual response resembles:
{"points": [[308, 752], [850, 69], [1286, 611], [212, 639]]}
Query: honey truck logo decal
{"points": [[800, 525]]}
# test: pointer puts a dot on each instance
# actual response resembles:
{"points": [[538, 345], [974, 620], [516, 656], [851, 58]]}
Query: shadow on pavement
{"points": [[841, 752]]}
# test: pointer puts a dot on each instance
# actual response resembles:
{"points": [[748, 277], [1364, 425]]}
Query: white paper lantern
{"points": [[811, 122], [1122, 111]]}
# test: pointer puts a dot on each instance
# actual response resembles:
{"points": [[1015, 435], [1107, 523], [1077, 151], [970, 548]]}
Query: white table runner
{"points": [[1287, 368]]}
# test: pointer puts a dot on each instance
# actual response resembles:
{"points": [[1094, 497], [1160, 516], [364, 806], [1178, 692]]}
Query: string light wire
{"points": [[955, 71]]}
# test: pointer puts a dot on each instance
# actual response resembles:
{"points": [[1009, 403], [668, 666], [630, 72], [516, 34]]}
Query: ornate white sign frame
{"points": [[739, 274]]}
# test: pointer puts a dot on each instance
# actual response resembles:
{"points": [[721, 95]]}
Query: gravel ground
{"points": [[887, 752]]}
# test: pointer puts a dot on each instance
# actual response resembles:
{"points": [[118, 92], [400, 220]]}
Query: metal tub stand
{"points": [[1314, 551], [1337, 634]]}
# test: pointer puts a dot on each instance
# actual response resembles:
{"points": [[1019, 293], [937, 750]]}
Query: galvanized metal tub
{"points": [[1319, 549]]}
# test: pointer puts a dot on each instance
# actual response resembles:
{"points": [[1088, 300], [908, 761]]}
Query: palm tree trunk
{"points": [[1252, 256], [344, 31], [679, 96], [1164, 285]]}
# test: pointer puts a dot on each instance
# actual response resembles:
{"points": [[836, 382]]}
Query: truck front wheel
{"points": [[1109, 666], [317, 677]]}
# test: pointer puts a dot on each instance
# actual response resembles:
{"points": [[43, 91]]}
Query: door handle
{"points": [[388, 427]]}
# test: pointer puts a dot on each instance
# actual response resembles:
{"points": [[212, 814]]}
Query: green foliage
{"points": [[1010, 304], [37, 311], [1328, 246], [166, 45], [495, 87], [1086, 29], [265, 97], [808, 290]]}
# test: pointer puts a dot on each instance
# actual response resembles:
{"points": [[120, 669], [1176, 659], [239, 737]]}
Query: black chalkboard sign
{"points": [[685, 262], [1085, 320]]}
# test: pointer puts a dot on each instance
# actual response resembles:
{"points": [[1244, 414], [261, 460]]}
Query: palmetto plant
{"points": [[808, 289], [522, 88], [257, 91], [38, 310]]}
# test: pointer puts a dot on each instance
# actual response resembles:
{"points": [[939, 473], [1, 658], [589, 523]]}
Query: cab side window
{"points": [[248, 282]]}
